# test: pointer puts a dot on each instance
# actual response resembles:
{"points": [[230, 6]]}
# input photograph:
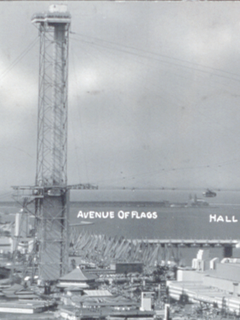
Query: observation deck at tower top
{"points": [[56, 14]]}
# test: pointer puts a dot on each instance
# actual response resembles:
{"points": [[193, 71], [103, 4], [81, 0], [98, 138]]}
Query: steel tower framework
{"points": [[50, 194], [51, 202]]}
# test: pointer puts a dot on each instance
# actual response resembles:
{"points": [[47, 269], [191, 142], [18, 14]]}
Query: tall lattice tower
{"points": [[51, 191]]}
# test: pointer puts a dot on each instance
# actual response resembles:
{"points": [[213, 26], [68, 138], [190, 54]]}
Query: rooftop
{"points": [[78, 275], [56, 14]]}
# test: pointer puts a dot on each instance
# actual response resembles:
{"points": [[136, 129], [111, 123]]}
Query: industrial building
{"points": [[209, 281], [127, 267]]}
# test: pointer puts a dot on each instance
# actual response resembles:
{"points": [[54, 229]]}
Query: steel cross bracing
{"points": [[52, 105], [51, 193], [52, 235], [51, 209], [51, 241]]}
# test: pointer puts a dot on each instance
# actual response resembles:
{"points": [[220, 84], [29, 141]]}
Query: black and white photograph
{"points": [[120, 160]]}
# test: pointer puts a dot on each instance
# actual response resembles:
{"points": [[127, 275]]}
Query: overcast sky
{"points": [[154, 96]]}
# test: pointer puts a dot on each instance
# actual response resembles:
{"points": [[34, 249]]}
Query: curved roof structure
{"points": [[78, 275]]}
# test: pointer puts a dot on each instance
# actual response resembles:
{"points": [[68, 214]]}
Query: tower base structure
{"points": [[49, 206], [52, 215]]}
